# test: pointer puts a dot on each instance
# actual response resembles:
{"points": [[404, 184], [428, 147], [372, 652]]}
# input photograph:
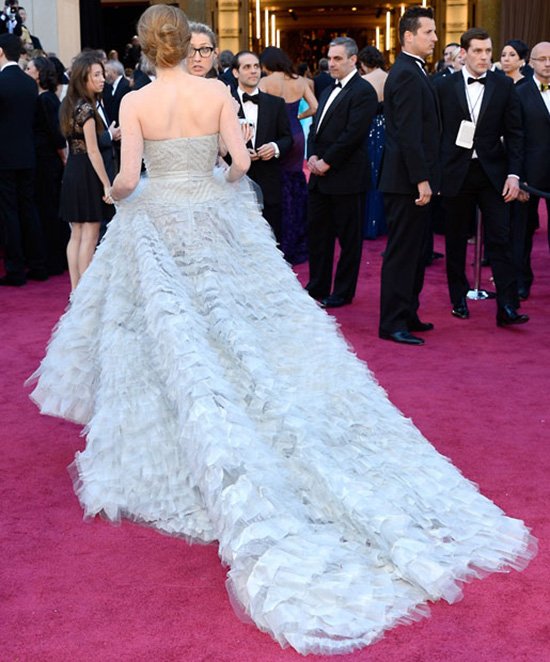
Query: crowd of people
{"points": [[367, 142]]}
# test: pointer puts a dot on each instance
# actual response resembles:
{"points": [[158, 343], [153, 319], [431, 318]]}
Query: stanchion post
{"points": [[478, 294]]}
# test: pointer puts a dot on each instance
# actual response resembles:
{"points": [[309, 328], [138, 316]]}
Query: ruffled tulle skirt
{"points": [[221, 403]]}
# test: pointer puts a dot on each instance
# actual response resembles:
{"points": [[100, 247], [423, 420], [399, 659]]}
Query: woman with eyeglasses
{"points": [[203, 51]]}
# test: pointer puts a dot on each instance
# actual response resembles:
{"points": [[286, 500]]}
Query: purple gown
{"points": [[293, 232]]}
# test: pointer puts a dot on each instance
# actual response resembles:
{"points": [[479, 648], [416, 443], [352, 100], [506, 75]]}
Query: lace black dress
{"points": [[81, 189]]}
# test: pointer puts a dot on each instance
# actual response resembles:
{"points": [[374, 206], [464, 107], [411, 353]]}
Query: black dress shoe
{"points": [[420, 326], [11, 281], [460, 310], [37, 275], [507, 315], [523, 293], [403, 337], [334, 301]]}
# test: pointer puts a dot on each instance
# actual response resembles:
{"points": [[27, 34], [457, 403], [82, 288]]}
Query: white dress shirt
{"points": [[474, 93], [250, 110]]}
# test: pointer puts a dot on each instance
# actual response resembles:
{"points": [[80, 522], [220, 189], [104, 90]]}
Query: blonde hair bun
{"points": [[164, 35]]}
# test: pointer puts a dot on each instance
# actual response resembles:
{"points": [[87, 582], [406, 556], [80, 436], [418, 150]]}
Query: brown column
{"points": [[488, 16]]}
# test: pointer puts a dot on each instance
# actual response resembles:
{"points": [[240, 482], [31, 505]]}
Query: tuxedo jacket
{"points": [[272, 126], [321, 82], [340, 138], [536, 128], [107, 148], [228, 79], [413, 128], [112, 101], [18, 99], [498, 139]]}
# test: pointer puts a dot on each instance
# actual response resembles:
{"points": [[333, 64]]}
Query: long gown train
{"points": [[221, 403]]}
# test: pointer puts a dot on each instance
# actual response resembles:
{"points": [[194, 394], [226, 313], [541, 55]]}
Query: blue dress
{"points": [[293, 222], [375, 219]]}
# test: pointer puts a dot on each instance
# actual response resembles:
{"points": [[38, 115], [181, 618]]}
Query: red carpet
{"points": [[80, 591]]}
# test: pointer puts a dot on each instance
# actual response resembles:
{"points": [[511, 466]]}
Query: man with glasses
{"points": [[535, 105]]}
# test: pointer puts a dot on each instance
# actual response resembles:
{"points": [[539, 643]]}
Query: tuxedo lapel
{"points": [[333, 106], [458, 80], [238, 100], [537, 99], [322, 103], [263, 120], [489, 89]]}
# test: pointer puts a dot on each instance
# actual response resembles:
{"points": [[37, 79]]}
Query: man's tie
{"points": [[544, 87], [481, 81], [337, 83], [250, 97]]}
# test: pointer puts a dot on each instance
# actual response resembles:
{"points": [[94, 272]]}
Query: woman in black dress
{"points": [[85, 185], [50, 161]]}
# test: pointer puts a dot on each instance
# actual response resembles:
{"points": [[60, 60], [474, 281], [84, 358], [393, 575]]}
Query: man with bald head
{"points": [[535, 106]]}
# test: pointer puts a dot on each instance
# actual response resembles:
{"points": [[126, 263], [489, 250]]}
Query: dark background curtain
{"points": [[91, 27], [526, 19]]}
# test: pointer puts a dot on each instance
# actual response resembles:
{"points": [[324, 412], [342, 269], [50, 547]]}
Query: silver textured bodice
{"points": [[179, 167]]}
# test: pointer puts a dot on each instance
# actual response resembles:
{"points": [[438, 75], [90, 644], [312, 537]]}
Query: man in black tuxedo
{"points": [[23, 241], [482, 159], [535, 106], [226, 74], [116, 86], [10, 20], [271, 136], [323, 79], [338, 163], [409, 176]]}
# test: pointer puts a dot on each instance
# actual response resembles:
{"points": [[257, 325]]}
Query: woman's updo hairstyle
{"points": [[164, 35]]}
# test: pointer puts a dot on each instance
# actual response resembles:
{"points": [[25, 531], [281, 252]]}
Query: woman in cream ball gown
{"points": [[221, 403]]}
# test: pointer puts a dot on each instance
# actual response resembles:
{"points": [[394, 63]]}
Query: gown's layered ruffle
{"points": [[221, 403]]}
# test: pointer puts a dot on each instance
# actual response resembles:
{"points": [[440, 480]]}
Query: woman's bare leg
{"points": [[88, 244], [73, 248]]}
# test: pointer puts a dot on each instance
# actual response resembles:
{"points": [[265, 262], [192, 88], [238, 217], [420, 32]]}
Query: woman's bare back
{"points": [[179, 105]]}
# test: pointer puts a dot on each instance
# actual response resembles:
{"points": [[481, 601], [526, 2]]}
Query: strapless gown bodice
{"points": [[181, 168]]}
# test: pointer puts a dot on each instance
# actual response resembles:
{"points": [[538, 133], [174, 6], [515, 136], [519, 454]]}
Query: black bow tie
{"points": [[481, 81], [336, 84], [250, 97]]}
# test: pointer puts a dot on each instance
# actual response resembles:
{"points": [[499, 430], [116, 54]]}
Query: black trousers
{"points": [[22, 234], [527, 275], [478, 190], [518, 238], [332, 217], [404, 261]]}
